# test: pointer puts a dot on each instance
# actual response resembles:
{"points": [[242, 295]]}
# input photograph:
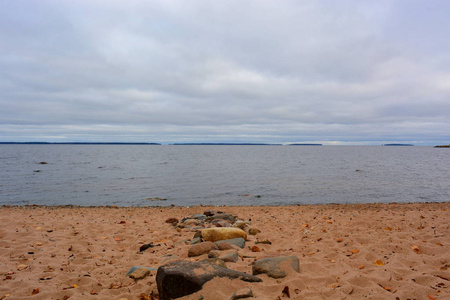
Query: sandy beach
{"points": [[368, 251]]}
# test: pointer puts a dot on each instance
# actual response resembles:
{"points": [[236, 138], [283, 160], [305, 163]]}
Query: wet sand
{"points": [[369, 251]]}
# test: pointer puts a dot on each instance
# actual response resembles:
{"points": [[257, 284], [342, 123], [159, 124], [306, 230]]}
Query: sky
{"points": [[332, 72]]}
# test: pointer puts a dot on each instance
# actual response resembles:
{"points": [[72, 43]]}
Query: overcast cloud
{"points": [[345, 72]]}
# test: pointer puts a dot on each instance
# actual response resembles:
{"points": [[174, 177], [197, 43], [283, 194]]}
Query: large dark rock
{"points": [[181, 278], [276, 267]]}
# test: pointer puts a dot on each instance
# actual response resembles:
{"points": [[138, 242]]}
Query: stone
{"points": [[222, 216], [155, 199], [224, 246], [241, 294], [190, 222], [230, 257], [224, 233], [214, 254], [226, 256], [256, 249], [199, 216], [276, 267], [240, 242], [210, 213], [134, 268], [145, 247], [267, 242], [201, 248], [221, 223], [172, 221], [181, 278], [140, 273], [241, 224], [253, 231]]}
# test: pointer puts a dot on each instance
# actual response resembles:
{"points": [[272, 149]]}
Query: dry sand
{"points": [[372, 251]]}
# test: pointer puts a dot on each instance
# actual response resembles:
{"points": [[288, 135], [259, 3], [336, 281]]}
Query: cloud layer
{"points": [[225, 71]]}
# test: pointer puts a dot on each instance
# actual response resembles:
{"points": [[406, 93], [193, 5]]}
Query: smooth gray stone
{"points": [[240, 242], [273, 268], [181, 278], [226, 256], [230, 257], [198, 216], [227, 217]]}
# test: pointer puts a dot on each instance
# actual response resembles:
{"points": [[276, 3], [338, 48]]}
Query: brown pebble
{"points": [[21, 267], [34, 292], [210, 213], [244, 293], [253, 231], [224, 246], [172, 220], [256, 249], [201, 248], [222, 223], [140, 273]]}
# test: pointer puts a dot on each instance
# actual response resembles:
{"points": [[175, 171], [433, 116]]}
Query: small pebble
{"points": [[253, 231]]}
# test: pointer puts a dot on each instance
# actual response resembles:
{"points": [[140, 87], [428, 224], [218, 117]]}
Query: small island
{"points": [[398, 145], [442, 146]]}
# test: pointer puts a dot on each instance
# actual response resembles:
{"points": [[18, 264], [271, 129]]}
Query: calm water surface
{"points": [[126, 175]]}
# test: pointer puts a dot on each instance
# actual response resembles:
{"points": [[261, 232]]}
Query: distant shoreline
{"points": [[304, 144], [224, 144], [74, 143]]}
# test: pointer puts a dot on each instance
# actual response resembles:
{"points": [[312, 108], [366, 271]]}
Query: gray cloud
{"points": [[253, 71]]}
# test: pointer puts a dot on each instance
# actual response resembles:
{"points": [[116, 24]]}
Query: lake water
{"points": [[126, 175]]}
